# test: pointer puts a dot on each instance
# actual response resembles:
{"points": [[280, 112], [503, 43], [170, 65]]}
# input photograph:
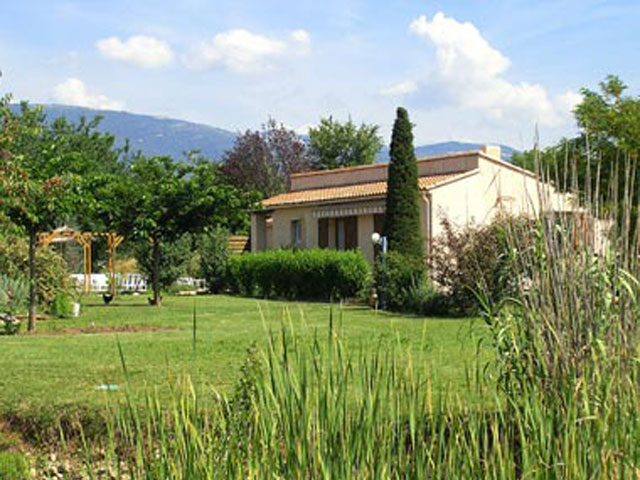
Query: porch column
{"points": [[310, 231], [365, 229]]}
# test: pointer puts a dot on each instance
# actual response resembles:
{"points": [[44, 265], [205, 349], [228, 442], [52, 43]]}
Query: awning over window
{"points": [[348, 211]]}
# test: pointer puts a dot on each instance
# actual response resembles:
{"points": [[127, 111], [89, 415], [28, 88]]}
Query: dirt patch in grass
{"points": [[98, 330]]}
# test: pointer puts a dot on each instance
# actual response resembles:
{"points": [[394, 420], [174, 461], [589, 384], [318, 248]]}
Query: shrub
{"points": [[300, 274], [62, 306], [52, 273], [403, 285], [13, 297], [14, 292], [214, 258], [475, 259]]}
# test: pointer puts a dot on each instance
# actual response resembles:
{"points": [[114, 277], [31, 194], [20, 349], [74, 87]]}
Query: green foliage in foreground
{"points": [[311, 274], [318, 410]]}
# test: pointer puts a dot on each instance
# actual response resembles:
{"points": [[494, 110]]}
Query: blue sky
{"points": [[485, 71]]}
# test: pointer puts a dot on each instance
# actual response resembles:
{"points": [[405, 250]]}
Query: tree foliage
{"points": [[263, 161], [158, 200], [592, 164], [402, 217], [44, 173], [333, 144]]}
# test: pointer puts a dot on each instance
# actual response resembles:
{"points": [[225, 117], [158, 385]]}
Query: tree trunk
{"points": [[33, 286], [155, 274]]}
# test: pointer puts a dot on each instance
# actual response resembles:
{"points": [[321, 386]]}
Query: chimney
{"points": [[492, 151]]}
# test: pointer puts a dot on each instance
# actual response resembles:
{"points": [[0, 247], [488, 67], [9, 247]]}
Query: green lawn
{"points": [[52, 368]]}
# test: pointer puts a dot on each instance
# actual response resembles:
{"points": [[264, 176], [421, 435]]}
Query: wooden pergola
{"points": [[84, 239]]}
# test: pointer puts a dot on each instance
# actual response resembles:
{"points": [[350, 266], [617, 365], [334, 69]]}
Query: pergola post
{"points": [[84, 239]]}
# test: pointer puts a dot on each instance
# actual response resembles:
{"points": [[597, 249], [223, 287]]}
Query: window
{"points": [[323, 232], [346, 233], [296, 233]]}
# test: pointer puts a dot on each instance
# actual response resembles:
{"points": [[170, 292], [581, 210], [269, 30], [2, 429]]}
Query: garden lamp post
{"points": [[381, 240]]}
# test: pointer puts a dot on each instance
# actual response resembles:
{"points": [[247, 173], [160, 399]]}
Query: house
{"points": [[342, 208]]}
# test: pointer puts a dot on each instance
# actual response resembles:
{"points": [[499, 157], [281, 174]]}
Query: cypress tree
{"points": [[402, 218]]}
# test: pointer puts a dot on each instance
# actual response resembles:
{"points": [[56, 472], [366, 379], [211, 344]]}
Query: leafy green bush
{"points": [[52, 273], [214, 258], [403, 285], [300, 274], [62, 306], [13, 466]]}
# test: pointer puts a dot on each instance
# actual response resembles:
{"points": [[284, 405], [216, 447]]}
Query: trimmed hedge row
{"points": [[314, 274]]}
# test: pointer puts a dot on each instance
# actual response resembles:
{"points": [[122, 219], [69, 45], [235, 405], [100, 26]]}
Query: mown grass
{"points": [[54, 369]]}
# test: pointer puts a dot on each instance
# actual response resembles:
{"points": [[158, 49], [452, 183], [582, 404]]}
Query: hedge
{"points": [[314, 274]]}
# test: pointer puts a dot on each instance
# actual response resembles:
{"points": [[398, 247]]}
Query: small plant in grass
{"points": [[62, 306]]}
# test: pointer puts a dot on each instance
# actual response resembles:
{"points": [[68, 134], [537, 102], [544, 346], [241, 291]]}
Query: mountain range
{"points": [[167, 136]]}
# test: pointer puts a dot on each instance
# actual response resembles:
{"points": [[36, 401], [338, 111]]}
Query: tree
{"points": [[173, 259], [263, 161], [333, 144], [594, 162], [402, 217], [158, 201], [37, 181]]}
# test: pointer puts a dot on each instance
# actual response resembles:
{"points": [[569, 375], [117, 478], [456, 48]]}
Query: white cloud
{"points": [[139, 50], [469, 72], [242, 51], [399, 89], [301, 41], [74, 92]]}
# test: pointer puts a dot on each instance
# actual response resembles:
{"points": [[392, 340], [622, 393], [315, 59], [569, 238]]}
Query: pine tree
{"points": [[402, 219]]}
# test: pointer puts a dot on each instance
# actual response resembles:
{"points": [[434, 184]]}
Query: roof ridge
{"points": [[462, 153]]}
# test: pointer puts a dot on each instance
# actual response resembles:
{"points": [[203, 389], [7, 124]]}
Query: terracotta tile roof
{"points": [[348, 192]]}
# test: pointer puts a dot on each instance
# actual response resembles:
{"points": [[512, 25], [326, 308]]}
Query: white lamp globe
{"points": [[375, 237]]}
